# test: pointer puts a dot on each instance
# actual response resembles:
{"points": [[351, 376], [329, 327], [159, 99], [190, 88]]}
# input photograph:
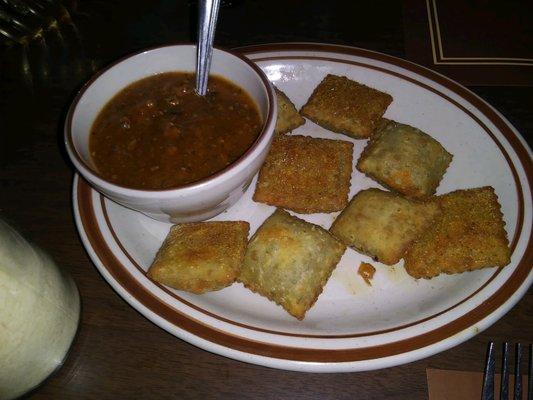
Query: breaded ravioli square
{"points": [[382, 224], [306, 175], [405, 159], [289, 261], [201, 257], [345, 106], [288, 117], [469, 234]]}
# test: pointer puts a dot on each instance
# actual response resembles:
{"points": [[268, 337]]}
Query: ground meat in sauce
{"points": [[157, 133]]}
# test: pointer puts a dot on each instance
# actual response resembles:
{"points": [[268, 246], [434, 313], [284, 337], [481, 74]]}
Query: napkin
{"points": [[463, 385]]}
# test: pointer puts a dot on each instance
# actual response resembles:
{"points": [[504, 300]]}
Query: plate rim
{"points": [[321, 363]]}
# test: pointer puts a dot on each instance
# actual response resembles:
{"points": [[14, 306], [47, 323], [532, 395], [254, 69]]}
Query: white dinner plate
{"points": [[352, 326]]}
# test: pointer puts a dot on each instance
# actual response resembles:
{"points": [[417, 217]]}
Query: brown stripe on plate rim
{"points": [[442, 80], [282, 352], [175, 317], [255, 328], [352, 335]]}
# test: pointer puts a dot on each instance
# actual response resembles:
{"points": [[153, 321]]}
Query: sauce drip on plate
{"points": [[367, 272]]}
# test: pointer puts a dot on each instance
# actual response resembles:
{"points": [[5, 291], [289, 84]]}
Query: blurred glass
{"points": [[39, 314], [22, 20]]}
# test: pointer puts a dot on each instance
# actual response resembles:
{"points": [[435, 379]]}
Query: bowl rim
{"points": [[96, 177]]}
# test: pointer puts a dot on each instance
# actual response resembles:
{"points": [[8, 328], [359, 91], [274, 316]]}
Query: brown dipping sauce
{"points": [[157, 133]]}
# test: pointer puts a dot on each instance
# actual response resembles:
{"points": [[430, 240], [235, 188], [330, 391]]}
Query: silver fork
{"points": [[488, 377]]}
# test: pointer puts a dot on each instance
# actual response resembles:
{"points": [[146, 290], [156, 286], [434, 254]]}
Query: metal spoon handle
{"points": [[208, 13]]}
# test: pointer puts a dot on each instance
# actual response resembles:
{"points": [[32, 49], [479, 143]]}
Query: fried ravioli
{"points": [[382, 224], [405, 159], [201, 257], [306, 175], [345, 106], [468, 235], [288, 117], [289, 261]]}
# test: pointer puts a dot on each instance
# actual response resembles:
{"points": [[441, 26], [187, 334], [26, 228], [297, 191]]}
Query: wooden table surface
{"points": [[118, 353]]}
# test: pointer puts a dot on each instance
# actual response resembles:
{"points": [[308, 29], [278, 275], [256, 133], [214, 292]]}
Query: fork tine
{"points": [[488, 377], [504, 388], [530, 374], [518, 373]]}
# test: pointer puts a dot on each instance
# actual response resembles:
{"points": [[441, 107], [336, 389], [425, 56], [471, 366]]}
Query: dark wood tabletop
{"points": [[118, 353]]}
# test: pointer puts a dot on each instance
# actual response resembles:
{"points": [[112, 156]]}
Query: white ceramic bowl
{"points": [[196, 201]]}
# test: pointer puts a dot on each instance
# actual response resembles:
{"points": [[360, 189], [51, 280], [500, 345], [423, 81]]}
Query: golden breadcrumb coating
{"points": [[405, 159], [202, 256], [289, 261], [306, 175], [345, 106], [288, 117], [382, 224], [469, 234]]}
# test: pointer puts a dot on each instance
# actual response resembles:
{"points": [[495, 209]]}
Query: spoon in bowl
{"points": [[207, 13]]}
